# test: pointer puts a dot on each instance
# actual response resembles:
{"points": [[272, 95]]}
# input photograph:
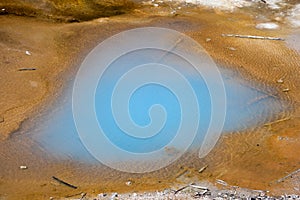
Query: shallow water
{"points": [[246, 107], [293, 41]]}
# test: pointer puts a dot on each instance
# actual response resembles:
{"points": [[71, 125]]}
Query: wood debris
{"points": [[180, 189], [74, 195], [182, 173], [198, 187], [82, 196], [286, 90], [192, 185], [202, 169], [252, 37], [288, 176], [221, 182], [27, 69], [277, 121], [64, 183]]}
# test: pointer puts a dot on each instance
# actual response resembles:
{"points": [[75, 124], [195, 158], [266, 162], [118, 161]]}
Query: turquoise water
{"points": [[246, 107]]}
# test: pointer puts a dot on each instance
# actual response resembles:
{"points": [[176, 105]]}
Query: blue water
{"points": [[246, 107]]}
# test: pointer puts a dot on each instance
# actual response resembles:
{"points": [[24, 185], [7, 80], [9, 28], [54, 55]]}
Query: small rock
{"points": [[155, 5], [3, 9], [173, 12], [232, 48], [280, 80], [28, 53], [23, 167], [1, 119], [268, 25], [128, 183], [33, 83], [101, 195], [166, 191], [262, 194], [103, 19], [208, 40], [286, 90], [114, 196]]}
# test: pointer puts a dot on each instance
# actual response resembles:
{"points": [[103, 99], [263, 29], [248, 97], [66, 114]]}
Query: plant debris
{"points": [[64, 183], [26, 69], [252, 37]]}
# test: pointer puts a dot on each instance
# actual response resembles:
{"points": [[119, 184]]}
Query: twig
{"points": [[252, 37], [83, 195], [73, 195], [202, 169], [26, 69], [277, 121], [193, 186], [64, 183], [198, 187], [221, 182], [199, 194], [182, 188], [182, 173], [257, 99], [287, 176], [179, 40]]}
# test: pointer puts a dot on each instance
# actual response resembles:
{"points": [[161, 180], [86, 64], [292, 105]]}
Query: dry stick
{"points": [[198, 187], [277, 121], [26, 69], [64, 183], [178, 41], [252, 37], [83, 195], [258, 89], [181, 189], [289, 175], [221, 182], [193, 186], [182, 173], [73, 195], [202, 169], [258, 99]]}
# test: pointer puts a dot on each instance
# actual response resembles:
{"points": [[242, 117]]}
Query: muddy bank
{"points": [[67, 11]]}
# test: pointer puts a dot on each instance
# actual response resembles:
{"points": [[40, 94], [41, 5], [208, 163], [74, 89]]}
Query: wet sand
{"points": [[254, 159]]}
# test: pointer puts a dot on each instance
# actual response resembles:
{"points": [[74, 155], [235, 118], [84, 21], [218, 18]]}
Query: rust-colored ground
{"points": [[254, 159]]}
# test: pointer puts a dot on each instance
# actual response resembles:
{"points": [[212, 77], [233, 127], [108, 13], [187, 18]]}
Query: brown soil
{"points": [[67, 10], [255, 158]]}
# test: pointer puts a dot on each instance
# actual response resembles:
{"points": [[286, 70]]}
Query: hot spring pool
{"points": [[144, 102], [246, 107]]}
